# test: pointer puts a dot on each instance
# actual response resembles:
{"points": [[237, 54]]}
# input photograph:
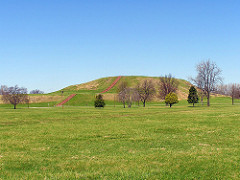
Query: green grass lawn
{"points": [[156, 142]]}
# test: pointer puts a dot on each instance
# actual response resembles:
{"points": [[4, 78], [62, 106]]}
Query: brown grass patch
{"points": [[41, 98], [93, 85]]}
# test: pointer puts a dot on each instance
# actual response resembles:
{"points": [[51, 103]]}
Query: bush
{"points": [[99, 102], [171, 99]]}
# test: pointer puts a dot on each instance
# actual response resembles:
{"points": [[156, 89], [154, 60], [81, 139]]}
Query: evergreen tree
{"points": [[192, 96], [99, 102]]}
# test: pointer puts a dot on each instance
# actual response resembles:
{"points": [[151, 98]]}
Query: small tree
{"points": [[192, 96], [3, 89], [171, 99], [14, 95], [145, 91], [234, 90], [123, 93], [99, 102]]}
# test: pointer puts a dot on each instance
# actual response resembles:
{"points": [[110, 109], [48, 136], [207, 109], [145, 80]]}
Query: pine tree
{"points": [[192, 96]]}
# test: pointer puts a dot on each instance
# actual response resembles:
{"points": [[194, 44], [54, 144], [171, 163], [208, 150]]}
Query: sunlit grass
{"points": [[155, 142]]}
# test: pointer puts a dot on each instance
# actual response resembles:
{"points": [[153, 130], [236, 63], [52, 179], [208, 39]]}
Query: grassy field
{"points": [[155, 142]]}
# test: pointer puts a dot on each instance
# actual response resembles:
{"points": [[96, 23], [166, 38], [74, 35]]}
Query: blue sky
{"points": [[49, 45]]}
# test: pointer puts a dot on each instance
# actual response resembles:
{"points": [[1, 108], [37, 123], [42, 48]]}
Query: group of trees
{"points": [[145, 91], [16, 95], [232, 90], [207, 81]]}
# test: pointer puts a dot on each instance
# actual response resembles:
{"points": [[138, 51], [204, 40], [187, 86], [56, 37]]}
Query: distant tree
{"points": [[99, 102], [128, 96], [145, 91], [167, 84], [202, 94], [222, 89], [208, 78], [3, 88], [192, 96], [15, 95], [123, 93], [234, 91], [36, 91], [132, 96], [171, 99]]}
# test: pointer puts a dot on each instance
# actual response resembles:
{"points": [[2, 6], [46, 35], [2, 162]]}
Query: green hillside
{"points": [[86, 91]]}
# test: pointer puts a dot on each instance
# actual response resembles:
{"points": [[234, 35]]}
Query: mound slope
{"points": [[85, 92]]}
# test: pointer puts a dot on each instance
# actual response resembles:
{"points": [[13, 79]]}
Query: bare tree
{"points": [[209, 76], [36, 91], [234, 91], [222, 89], [122, 92], [15, 95], [202, 94], [167, 84], [132, 96], [122, 97], [145, 91], [3, 88]]}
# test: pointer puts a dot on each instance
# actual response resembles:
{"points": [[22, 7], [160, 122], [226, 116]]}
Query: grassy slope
{"points": [[115, 143], [85, 92]]}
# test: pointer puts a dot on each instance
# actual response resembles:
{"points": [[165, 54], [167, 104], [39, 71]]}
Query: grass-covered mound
{"points": [[86, 92]]}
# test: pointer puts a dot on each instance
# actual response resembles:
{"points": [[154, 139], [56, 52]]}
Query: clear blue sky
{"points": [[52, 44]]}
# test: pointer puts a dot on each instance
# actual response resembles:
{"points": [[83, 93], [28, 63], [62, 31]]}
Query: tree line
{"points": [[16, 95], [146, 90], [207, 81]]}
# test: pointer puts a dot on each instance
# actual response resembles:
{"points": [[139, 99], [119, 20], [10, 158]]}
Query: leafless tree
{"points": [[209, 76], [202, 94], [122, 97], [3, 88], [167, 84], [122, 92], [36, 91], [145, 91], [222, 89], [15, 95], [135, 96], [234, 91], [132, 96]]}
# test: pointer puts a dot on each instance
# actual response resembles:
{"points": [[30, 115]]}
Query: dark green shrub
{"points": [[99, 102]]}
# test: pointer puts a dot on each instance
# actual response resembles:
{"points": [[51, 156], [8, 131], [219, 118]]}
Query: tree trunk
{"points": [[144, 103], [193, 104], [170, 105], [232, 100], [15, 106], [208, 98], [202, 99]]}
